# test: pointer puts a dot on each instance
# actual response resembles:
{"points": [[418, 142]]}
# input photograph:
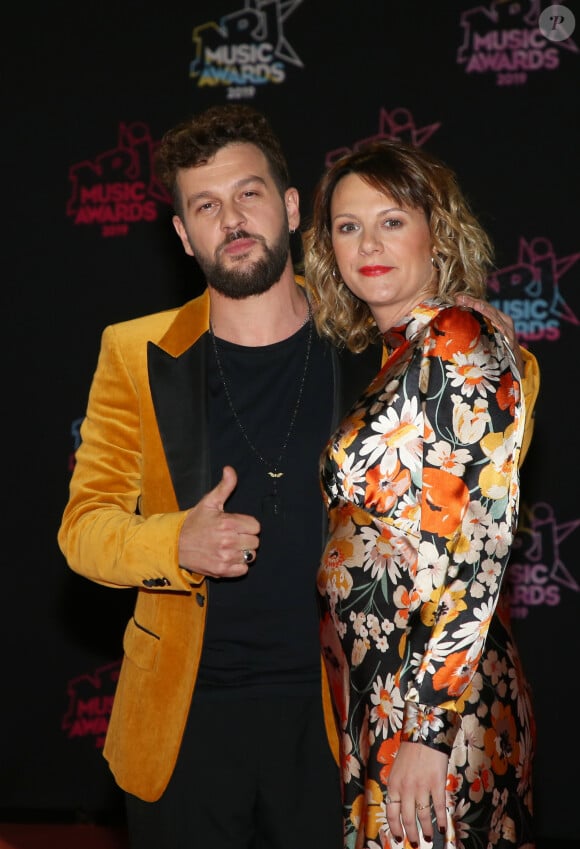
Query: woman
{"points": [[422, 488]]}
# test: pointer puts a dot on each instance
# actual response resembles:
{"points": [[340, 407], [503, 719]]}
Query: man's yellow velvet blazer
{"points": [[141, 464]]}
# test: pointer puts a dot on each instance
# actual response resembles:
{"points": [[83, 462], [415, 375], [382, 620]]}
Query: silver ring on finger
{"points": [[248, 555], [389, 801], [419, 807]]}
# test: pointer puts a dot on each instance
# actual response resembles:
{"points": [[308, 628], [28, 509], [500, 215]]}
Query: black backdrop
{"points": [[88, 90]]}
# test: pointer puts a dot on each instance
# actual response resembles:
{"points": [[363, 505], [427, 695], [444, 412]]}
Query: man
{"points": [[196, 482]]}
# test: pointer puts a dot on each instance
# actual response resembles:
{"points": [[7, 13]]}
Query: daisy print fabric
{"points": [[422, 488]]}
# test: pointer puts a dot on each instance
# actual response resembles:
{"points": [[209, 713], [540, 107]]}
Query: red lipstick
{"points": [[375, 270]]}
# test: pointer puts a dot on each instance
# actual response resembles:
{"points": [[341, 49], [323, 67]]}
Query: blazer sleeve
{"points": [[103, 534], [531, 388]]}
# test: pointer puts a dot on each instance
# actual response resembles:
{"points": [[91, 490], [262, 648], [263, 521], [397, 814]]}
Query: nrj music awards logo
{"points": [[245, 49], [117, 188], [514, 39], [530, 291], [399, 123], [90, 700], [537, 574]]}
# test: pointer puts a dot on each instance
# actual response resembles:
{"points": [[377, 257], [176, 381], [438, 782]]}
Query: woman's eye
{"points": [[393, 223]]}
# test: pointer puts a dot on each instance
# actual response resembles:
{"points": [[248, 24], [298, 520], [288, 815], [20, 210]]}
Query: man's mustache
{"points": [[239, 234]]}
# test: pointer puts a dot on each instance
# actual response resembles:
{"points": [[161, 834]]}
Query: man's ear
{"points": [[292, 201], [182, 233]]}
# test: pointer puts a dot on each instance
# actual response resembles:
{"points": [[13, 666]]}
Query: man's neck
{"points": [[260, 319]]}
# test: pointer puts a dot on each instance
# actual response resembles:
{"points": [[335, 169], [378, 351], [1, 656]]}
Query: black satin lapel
{"points": [[355, 372], [179, 392]]}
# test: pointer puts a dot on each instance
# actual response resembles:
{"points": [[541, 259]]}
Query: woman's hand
{"points": [[502, 322], [416, 791]]}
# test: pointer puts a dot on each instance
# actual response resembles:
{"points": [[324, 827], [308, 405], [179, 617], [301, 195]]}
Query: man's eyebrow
{"points": [[253, 178], [239, 184]]}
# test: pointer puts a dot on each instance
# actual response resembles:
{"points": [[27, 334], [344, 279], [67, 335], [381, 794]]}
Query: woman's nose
{"points": [[370, 242]]}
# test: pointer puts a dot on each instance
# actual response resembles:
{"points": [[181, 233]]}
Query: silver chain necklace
{"points": [[272, 469]]}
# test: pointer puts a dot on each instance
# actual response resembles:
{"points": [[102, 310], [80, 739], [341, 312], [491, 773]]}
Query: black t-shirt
{"points": [[261, 632]]}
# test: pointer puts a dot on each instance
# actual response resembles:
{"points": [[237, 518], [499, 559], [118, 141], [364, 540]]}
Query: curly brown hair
{"points": [[416, 180], [196, 140]]}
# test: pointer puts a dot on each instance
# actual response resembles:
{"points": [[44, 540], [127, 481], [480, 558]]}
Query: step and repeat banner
{"points": [[89, 89]]}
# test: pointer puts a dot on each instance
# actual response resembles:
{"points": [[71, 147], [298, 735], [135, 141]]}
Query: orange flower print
{"points": [[465, 697], [445, 499], [387, 754], [469, 374], [501, 741], [387, 705], [350, 765], [448, 607], [382, 492], [367, 809], [495, 477], [469, 420], [454, 675], [341, 517], [422, 495], [508, 393], [454, 330], [409, 513], [332, 570], [405, 601], [345, 436], [419, 720], [454, 782], [480, 781]]}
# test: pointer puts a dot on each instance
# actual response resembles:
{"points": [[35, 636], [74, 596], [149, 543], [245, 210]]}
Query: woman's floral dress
{"points": [[422, 488]]}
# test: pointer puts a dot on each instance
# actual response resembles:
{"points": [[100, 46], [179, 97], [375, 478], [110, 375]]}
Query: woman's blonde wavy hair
{"points": [[462, 251]]}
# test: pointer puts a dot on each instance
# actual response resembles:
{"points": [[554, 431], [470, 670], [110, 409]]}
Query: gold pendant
{"points": [[275, 474]]}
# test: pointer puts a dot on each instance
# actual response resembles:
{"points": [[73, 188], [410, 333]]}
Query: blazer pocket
{"points": [[140, 645]]}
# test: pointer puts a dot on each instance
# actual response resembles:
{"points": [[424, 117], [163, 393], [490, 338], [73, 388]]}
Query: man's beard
{"points": [[254, 279]]}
